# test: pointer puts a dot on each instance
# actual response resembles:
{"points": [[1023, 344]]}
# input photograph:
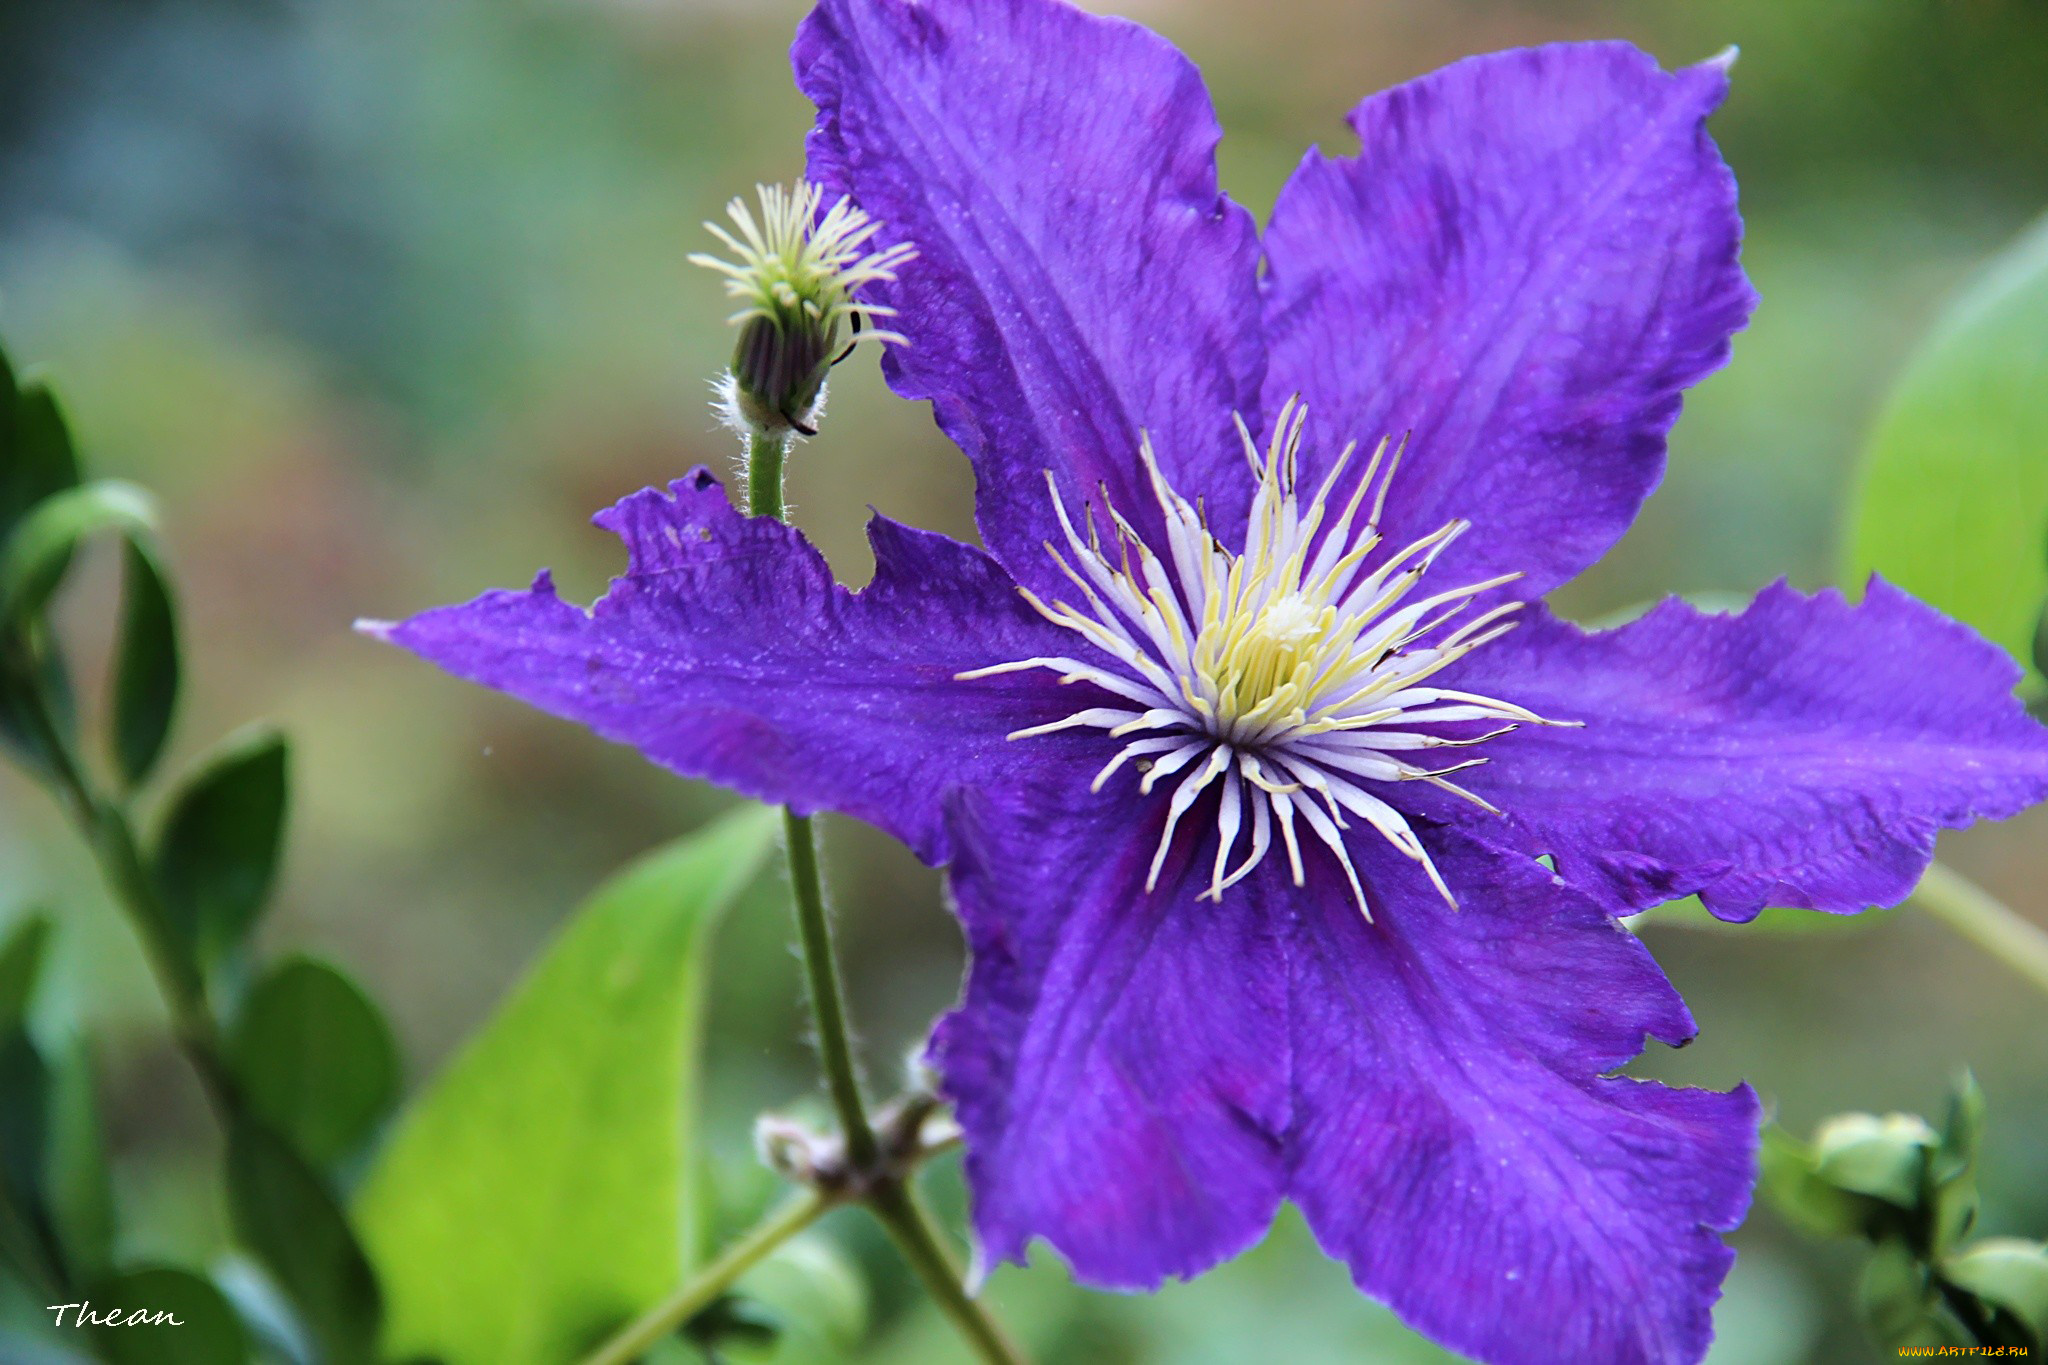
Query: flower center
{"points": [[1261, 664], [1289, 677]]}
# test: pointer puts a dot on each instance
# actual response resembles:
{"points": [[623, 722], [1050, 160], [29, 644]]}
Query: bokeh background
{"points": [[386, 297]]}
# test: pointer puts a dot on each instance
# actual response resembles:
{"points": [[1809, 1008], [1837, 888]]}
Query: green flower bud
{"points": [[797, 275], [1882, 1157]]}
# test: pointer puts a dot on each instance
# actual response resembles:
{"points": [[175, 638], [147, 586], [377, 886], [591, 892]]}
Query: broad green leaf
{"points": [[205, 1332], [1952, 503], [536, 1195], [36, 458], [314, 1059], [285, 1213], [146, 667], [34, 558], [219, 850]]}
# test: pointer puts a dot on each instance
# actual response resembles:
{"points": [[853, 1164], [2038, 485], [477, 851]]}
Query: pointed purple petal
{"points": [[727, 652], [1458, 1144], [1079, 280], [1803, 753], [1533, 255], [1119, 1062]]}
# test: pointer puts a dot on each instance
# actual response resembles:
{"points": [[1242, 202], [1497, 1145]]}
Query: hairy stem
{"points": [[890, 1199], [701, 1290], [813, 924], [1986, 921]]}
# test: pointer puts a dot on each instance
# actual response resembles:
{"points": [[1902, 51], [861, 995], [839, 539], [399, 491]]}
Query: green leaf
{"points": [[21, 963], [27, 1242], [1895, 1295], [1883, 1157], [1792, 1184], [36, 457], [285, 1213], [33, 678], [815, 1296], [2009, 1274], [80, 1188], [34, 558], [536, 1195], [314, 1059], [146, 667], [1952, 503], [219, 851], [1956, 1156], [206, 1331]]}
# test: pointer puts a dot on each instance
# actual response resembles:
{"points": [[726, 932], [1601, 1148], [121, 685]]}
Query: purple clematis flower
{"points": [[1244, 735]]}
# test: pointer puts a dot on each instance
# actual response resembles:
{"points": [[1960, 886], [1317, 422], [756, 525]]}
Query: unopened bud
{"points": [[797, 275]]}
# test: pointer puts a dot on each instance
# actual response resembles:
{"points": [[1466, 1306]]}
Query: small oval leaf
{"points": [[166, 1317], [21, 965], [219, 850], [80, 1184], [39, 549], [36, 455], [146, 667], [288, 1216], [314, 1059]]}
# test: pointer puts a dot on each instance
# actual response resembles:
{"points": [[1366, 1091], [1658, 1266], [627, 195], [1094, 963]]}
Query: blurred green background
{"points": [[386, 297]]}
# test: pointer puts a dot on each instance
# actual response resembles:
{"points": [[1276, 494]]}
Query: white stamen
{"points": [[1286, 676]]}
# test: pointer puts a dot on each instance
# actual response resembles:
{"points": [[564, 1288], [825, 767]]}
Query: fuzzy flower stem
{"points": [[1986, 921], [814, 928], [891, 1200]]}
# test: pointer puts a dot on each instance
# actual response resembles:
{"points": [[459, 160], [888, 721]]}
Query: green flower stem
{"points": [[1982, 918], [896, 1204], [891, 1199], [109, 832], [703, 1288]]}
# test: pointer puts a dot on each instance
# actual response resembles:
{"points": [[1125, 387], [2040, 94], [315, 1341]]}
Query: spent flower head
{"points": [[798, 276]]}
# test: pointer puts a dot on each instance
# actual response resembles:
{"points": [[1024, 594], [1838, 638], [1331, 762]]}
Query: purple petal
{"points": [[727, 652], [1120, 1060], [1803, 753], [1531, 258], [1458, 1144], [1079, 280]]}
